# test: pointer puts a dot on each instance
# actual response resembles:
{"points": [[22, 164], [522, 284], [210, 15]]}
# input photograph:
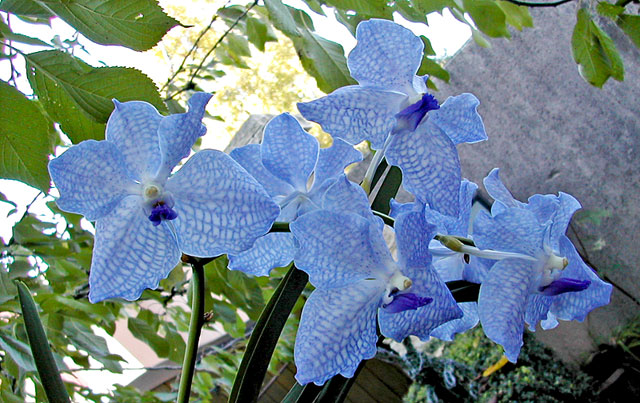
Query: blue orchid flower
{"points": [[451, 265], [297, 174], [392, 109], [357, 281], [146, 217], [538, 276]]}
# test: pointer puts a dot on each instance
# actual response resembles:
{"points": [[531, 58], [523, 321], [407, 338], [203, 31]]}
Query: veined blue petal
{"points": [[130, 254], [345, 196], [447, 331], [398, 208], [289, 152], [537, 308], [387, 55], [544, 207], [355, 113], [567, 206], [251, 160], [450, 265], [337, 331], [458, 225], [91, 178], [459, 119], [430, 166], [133, 128], [337, 249], [477, 269], [273, 250], [498, 191], [178, 133], [502, 303], [576, 305], [413, 235], [333, 160], [221, 208], [514, 230], [420, 322]]}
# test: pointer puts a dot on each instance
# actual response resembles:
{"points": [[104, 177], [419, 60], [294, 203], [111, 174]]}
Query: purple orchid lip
{"points": [[405, 302], [161, 211], [410, 117], [563, 285]]}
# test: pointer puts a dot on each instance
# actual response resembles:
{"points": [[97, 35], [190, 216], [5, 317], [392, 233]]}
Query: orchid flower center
{"points": [[397, 298], [410, 117], [158, 203], [551, 282]]}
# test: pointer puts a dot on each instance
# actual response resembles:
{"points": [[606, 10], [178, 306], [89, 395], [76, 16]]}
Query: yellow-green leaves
{"points": [[24, 139], [595, 52]]}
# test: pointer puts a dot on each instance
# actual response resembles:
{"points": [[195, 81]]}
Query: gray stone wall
{"points": [[550, 131]]}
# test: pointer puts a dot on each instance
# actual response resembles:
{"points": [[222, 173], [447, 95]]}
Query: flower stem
{"points": [[195, 327]]}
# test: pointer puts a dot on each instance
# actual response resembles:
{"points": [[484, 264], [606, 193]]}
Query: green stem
{"points": [[195, 327], [387, 220], [279, 226]]}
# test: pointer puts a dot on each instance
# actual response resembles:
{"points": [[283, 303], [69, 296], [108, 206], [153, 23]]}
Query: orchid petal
{"points": [[387, 55], [91, 178], [133, 128], [413, 235], [514, 230], [221, 209], [459, 119], [354, 113], [332, 161], [337, 249], [289, 152], [337, 331], [567, 206], [177, 133], [345, 196], [537, 308], [576, 305], [130, 254], [250, 159], [502, 303], [498, 191], [469, 320], [273, 250], [430, 166]]}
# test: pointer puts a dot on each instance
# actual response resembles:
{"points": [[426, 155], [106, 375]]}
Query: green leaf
{"points": [[45, 363], [433, 69], [281, 17], [324, 60], [28, 8], [18, 351], [517, 16], [429, 6], [389, 189], [24, 139], [83, 338], [595, 52], [91, 89], [409, 11], [5, 32], [257, 33], [365, 8], [609, 10], [264, 337], [428, 49], [488, 17], [316, 6], [238, 44], [299, 393], [630, 24], [479, 38], [136, 24], [143, 331]]}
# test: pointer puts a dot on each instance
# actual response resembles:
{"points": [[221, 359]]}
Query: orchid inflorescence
{"points": [[146, 215]]}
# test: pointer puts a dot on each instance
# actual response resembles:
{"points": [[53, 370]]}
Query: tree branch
{"points": [[528, 4]]}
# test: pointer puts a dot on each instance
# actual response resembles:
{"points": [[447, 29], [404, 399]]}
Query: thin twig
{"points": [[528, 4]]}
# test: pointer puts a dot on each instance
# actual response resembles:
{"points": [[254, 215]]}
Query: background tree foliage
{"points": [[245, 53]]}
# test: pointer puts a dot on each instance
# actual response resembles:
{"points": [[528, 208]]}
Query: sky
{"points": [[447, 35]]}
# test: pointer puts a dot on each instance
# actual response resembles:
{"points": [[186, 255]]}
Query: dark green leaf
{"points": [[316, 6], [18, 351], [5, 32], [281, 17], [24, 139], [301, 394], [366, 8], [630, 24], [83, 338], [488, 17], [433, 69], [257, 33], [143, 331], [428, 49], [410, 12], [323, 60], [29, 8], [517, 16], [136, 24], [92, 89], [595, 52], [429, 6], [609, 10], [389, 189], [47, 369], [264, 337]]}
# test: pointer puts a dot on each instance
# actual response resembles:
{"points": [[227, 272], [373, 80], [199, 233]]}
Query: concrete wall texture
{"points": [[550, 131]]}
